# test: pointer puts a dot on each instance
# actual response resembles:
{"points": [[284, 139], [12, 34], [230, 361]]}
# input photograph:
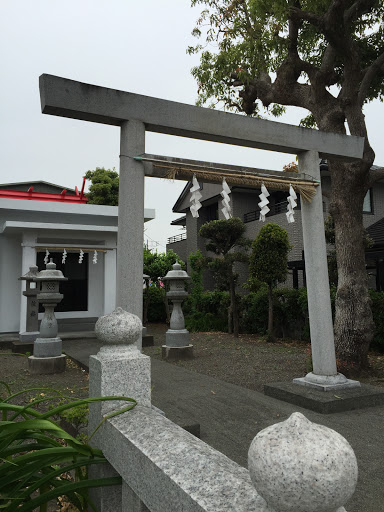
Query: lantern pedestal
{"points": [[47, 347], [177, 338], [45, 365]]}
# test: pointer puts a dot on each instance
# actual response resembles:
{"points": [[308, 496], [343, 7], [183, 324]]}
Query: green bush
{"points": [[156, 307], [290, 311], [254, 307], [212, 314]]}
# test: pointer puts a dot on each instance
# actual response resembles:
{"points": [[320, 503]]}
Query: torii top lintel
{"points": [[77, 100]]}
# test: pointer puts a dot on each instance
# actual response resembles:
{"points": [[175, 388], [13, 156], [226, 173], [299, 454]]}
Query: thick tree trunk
{"points": [[353, 325]]}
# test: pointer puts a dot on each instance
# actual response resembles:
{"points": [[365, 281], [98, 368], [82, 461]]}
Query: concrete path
{"points": [[230, 416]]}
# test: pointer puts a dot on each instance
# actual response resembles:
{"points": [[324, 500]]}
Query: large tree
{"points": [[327, 57]]}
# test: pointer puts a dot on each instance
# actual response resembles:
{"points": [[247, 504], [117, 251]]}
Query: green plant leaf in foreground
{"points": [[36, 454]]}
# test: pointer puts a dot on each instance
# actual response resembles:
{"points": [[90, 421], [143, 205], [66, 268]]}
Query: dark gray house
{"points": [[244, 202]]}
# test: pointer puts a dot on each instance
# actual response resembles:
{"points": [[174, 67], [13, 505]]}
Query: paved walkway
{"points": [[230, 416]]}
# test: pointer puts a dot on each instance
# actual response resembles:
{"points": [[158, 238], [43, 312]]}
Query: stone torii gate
{"points": [[136, 114]]}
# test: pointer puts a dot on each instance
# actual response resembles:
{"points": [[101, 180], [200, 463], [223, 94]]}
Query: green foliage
{"points": [[157, 265], [211, 314], [224, 236], [226, 240], [255, 312], [269, 258], [156, 309], [77, 416], [104, 187], [290, 312], [38, 455], [197, 263], [245, 40]]}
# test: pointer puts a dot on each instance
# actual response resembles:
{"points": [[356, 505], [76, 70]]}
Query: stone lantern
{"points": [[47, 356], [32, 323], [177, 344]]}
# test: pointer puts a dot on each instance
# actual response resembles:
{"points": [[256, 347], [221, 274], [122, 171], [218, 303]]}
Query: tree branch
{"points": [[298, 14], [370, 74], [357, 9], [375, 175]]}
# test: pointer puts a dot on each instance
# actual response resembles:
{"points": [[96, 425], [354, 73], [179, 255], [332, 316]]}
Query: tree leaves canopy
{"points": [[299, 44], [269, 258], [224, 235], [104, 187], [157, 265]]}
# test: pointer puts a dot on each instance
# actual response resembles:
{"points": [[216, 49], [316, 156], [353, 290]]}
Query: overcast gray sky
{"points": [[122, 44]]}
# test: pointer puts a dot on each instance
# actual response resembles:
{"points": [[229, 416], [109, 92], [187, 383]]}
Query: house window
{"points": [[212, 212], [368, 202], [75, 290]]}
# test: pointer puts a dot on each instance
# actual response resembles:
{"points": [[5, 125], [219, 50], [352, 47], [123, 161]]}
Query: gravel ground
{"points": [[249, 361], [14, 371]]}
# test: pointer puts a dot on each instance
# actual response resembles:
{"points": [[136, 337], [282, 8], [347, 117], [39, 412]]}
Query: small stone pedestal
{"points": [[177, 344], [47, 356]]}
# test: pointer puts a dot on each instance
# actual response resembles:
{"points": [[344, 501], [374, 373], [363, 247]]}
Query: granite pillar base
{"points": [[177, 338], [45, 365], [327, 382], [47, 347], [176, 353]]}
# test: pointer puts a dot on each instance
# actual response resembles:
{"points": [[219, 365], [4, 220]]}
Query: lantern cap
{"points": [[51, 273], [176, 273], [31, 274]]}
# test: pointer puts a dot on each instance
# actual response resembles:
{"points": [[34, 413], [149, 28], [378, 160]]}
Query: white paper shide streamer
{"points": [[263, 202], [195, 197], [46, 257], [291, 205], [81, 256], [94, 259], [64, 257], [225, 201]]}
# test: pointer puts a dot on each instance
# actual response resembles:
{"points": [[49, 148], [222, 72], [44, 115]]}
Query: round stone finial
{"points": [[118, 328], [300, 466]]}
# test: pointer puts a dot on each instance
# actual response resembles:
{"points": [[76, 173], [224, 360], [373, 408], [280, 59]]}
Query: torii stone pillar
{"points": [[129, 283], [324, 375]]}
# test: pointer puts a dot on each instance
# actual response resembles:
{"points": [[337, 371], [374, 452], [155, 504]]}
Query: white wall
{"points": [[10, 287]]}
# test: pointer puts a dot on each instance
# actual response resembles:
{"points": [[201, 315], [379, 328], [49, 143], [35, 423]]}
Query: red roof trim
{"points": [[42, 196]]}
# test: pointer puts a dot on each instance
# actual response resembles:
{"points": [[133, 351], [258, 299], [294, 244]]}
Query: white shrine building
{"points": [[37, 218]]}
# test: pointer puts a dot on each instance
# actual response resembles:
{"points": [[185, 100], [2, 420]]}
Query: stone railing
{"points": [[294, 466]]}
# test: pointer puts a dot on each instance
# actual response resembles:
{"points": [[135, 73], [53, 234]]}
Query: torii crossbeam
{"points": [[136, 114]]}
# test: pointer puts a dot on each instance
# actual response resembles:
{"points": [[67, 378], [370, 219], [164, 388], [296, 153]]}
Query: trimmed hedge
{"points": [[290, 312]]}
